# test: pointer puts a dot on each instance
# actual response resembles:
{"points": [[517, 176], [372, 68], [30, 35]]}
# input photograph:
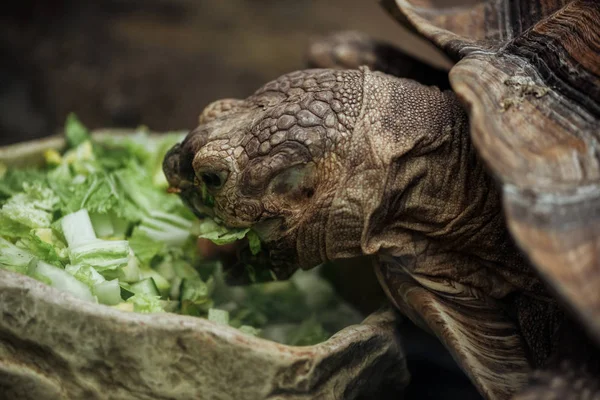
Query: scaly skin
{"points": [[331, 164]]}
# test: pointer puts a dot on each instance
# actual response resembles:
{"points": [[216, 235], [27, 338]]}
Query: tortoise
{"points": [[478, 199]]}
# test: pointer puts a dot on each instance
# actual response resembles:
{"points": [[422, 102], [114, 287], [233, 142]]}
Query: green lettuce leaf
{"points": [[253, 242], [218, 234], [15, 259], [145, 303], [218, 316], [103, 255], [145, 247], [144, 198], [46, 246], [75, 132], [310, 332], [12, 229], [32, 208], [97, 193], [85, 274], [13, 179], [196, 296]]}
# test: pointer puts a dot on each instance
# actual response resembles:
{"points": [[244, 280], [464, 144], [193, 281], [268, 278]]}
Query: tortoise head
{"points": [[272, 162], [330, 164]]}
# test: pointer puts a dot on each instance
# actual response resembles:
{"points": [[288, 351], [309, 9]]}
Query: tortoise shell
{"points": [[528, 73]]}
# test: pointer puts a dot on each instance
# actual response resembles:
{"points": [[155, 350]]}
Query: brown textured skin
{"points": [[529, 75], [382, 166]]}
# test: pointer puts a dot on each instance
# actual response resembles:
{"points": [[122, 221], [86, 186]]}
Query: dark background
{"points": [[122, 63], [159, 62]]}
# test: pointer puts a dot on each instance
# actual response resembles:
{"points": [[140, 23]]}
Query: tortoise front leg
{"points": [[475, 328], [351, 50], [571, 373]]}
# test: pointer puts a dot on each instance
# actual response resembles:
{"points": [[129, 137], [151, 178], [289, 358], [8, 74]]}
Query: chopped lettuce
{"points": [[253, 242], [98, 193], [14, 258], [169, 229], [77, 228], [146, 303], [218, 316], [249, 330], [12, 229], [85, 274], [145, 247], [97, 221], [32, 208], [12, 181], [103, 255], [309, 332], [75, 132], [195, 296], [108, 292], [44, 245], [219, 234], [64, 281]]}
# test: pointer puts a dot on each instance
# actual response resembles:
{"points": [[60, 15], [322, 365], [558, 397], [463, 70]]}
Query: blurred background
{"points": [[125, 63], [159, 62]]}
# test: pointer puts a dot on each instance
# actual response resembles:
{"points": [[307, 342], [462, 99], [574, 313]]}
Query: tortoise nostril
{"points": [[211, 179]]}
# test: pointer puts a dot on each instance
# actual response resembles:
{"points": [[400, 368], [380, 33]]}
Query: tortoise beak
{"points": [[173, 168], [178, 162], [178, 169]]}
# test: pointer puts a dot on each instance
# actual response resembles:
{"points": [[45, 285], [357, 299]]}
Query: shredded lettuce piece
{"points": [[12, 229], [218, 316], [309, 332], [249, 330], [162, 285], [85, 274], [108, 292], [145, 247], [168, 229], [81, 160], [64, 281], [32, 208], [146, 303], [103, 226], [45, 245], [218, 234], [98, 193], [103, 255], [12, 181], [75, 132], [14, 258], [77, 228], [144, 198], [129, 273], [195, 296], [253, 242]]}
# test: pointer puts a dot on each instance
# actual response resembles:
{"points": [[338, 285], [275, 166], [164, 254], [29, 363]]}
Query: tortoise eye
{"points": [[213, 180]]}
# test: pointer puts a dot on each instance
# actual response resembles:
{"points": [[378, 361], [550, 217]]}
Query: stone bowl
{"points": [[55, 346]]}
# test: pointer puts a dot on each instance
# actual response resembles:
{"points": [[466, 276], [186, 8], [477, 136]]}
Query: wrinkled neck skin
{"points": [[414, 190]]}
